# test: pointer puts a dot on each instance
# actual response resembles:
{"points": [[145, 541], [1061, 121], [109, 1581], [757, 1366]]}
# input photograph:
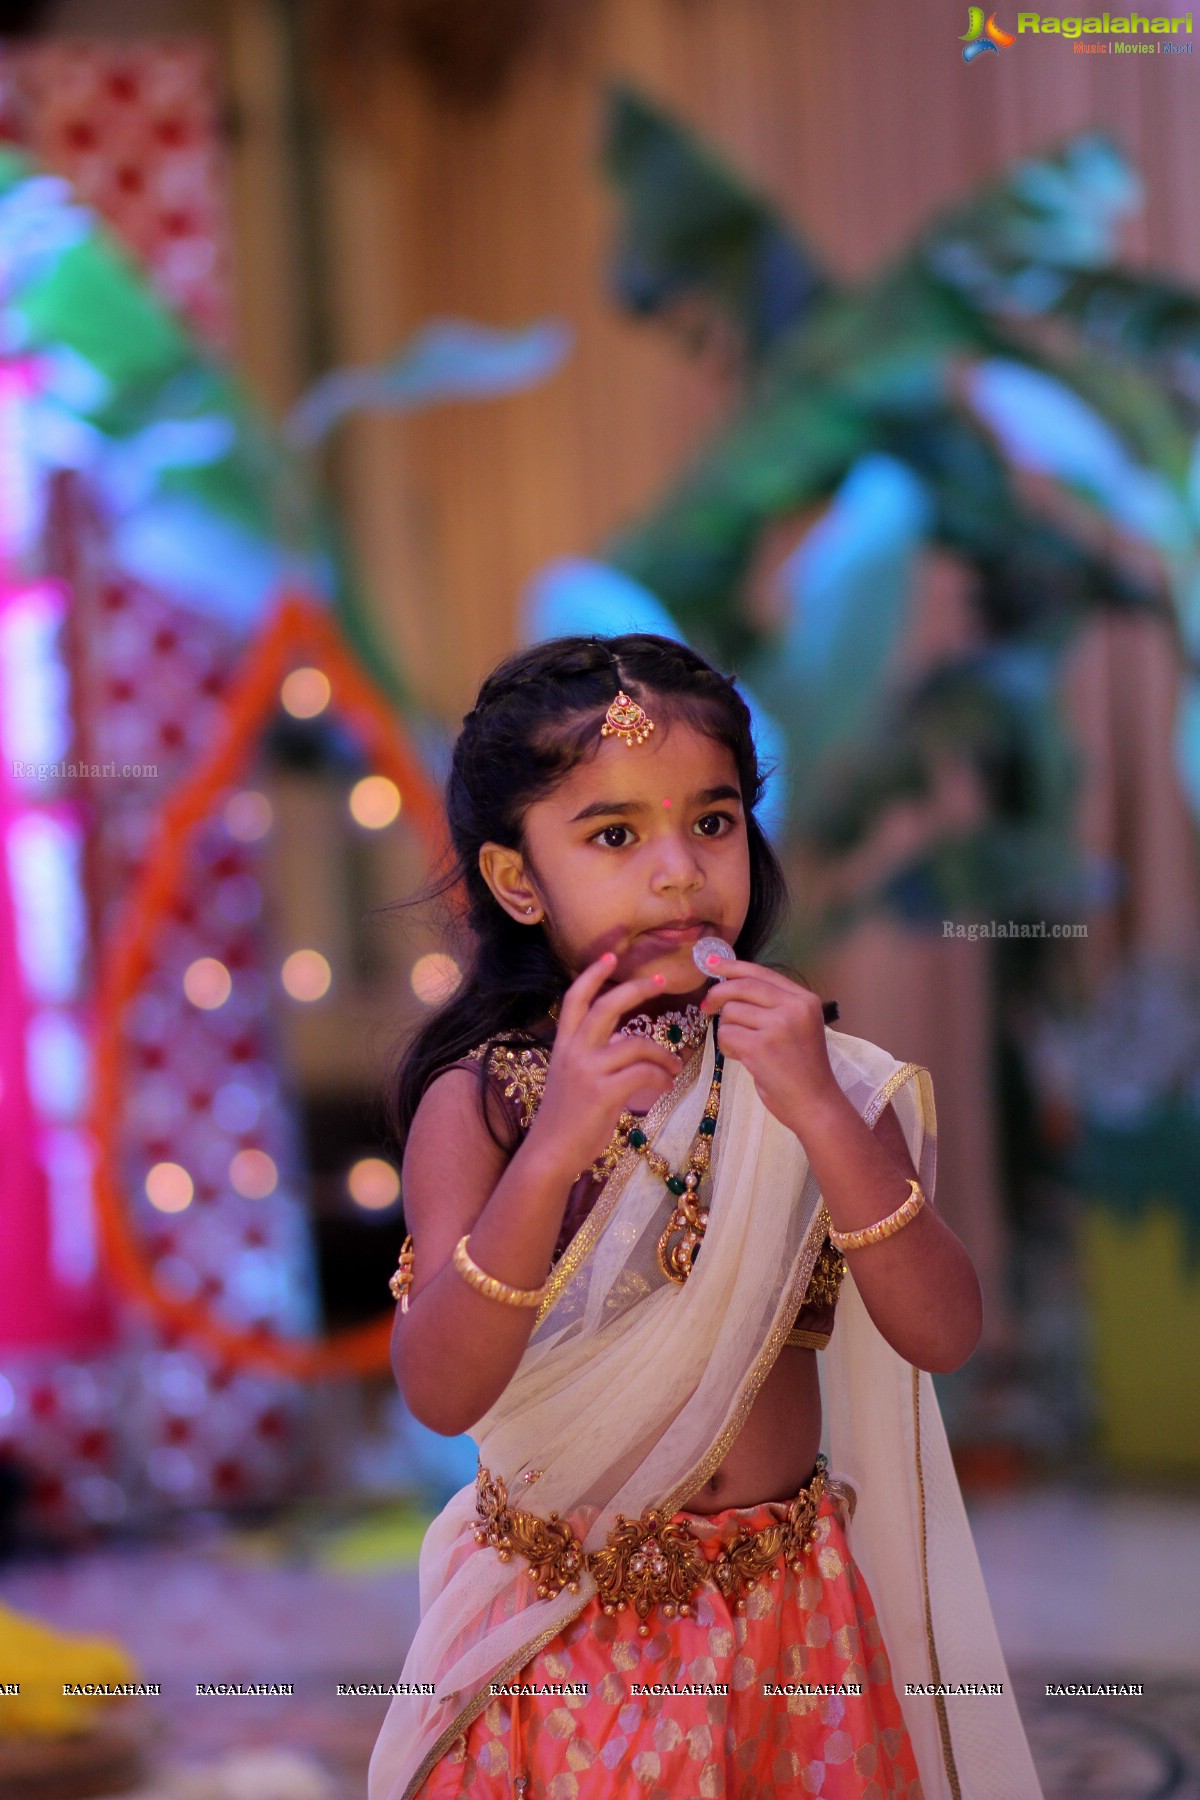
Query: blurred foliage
{"points": [[1122, 1072], [1041, 404], [696, 229], [1132, 1170], [206, 498]]}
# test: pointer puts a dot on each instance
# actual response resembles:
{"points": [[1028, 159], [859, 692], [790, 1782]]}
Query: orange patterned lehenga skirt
{"points": [[730, 1737]]}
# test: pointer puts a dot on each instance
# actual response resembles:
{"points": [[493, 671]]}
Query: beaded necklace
{"points": [[689, 1219], [679, 1244]]}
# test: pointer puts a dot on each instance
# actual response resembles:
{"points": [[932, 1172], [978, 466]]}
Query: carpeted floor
{"points": [[1118, 1748], [1087, 1587]]}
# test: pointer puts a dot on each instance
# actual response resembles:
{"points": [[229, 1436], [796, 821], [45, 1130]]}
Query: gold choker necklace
{"points": [[678, 1031]]}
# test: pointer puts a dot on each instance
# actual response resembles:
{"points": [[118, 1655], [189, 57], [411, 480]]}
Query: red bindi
{"points": [[666, 803]]}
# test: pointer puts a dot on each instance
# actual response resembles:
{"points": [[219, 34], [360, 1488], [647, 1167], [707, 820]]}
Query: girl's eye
{"points": [[602, 836], [721, 819], [719, 816]]}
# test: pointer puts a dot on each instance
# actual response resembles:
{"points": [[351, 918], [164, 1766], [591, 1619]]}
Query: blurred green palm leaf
{"points": [[1042, 401], [692, 231]]}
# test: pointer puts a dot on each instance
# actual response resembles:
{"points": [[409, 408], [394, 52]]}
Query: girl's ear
{"points": [[505, 873]]}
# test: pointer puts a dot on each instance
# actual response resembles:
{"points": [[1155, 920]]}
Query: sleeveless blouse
{"points": [[516, 1075]]}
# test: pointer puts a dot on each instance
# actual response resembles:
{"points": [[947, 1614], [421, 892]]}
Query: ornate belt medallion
{"points": [[651, 1561]]}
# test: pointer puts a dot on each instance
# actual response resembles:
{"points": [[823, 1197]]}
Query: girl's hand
{"points": [[594, 1068], [776, 1028]]}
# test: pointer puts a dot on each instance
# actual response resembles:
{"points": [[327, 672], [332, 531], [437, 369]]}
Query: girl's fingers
{"points": [[741, 970], [605, 1011], [740, 1012], [637, 1077], [751, 992], [622, 1052], [730, 1046], [735, 967], [583, 991]]}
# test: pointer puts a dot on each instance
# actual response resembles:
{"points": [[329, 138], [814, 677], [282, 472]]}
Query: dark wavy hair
{"points": [[536, 717]]}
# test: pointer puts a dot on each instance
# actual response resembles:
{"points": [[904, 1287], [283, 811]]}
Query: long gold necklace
{"points": [[680, 1242], [689, 1219]]}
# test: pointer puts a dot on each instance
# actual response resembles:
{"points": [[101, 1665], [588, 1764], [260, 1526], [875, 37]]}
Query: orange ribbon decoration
{"points": [[298, 627]]}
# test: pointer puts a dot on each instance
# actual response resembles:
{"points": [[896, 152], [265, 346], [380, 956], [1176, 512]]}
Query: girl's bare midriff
{"points": [[773, 1454]]}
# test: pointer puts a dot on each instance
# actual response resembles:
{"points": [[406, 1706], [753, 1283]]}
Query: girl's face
{"points": [[638, 850]]}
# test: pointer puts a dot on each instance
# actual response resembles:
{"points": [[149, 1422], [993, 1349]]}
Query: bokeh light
{"points": [[236, 1107], [374, 802], [207, 983], [305, 693], [169, 1187], [373, 1184], [434, 978], [248, 815], [306, 975], [171, 1469], [100, 1498], [238, 899], [253, 1174]]}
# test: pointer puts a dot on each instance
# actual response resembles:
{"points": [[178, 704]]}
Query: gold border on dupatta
{"points": [[808, 1253], [584, 1239], [895, 1080], [797, 1289], [935, 1673], [476, 1705]]}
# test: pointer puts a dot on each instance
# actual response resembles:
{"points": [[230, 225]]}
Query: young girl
{"points": [[636, 1195]]}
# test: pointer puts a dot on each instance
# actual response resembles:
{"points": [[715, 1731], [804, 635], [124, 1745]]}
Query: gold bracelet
{"points": [[474, 1277], [883, 1228]]}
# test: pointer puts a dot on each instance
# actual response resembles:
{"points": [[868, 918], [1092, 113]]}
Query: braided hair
{"points": [[537, 715]]}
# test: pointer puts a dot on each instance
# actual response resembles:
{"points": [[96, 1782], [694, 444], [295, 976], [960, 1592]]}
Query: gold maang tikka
{"points": [[625, 719]]}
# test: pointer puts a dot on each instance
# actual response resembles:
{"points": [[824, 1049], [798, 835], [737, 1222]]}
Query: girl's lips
{"points": [[677, 934]]}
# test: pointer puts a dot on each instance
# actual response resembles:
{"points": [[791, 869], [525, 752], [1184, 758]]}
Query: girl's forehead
{"points": [[674, 761]]}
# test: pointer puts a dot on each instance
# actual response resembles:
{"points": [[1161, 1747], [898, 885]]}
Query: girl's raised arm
{"points": [[456, 1349]]}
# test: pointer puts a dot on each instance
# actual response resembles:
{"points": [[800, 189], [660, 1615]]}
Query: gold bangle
{"points": [[474, 1277], [883, 1228]]}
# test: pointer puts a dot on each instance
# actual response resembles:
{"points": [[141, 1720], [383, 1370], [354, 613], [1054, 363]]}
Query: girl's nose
{"points": [[676, 865]]}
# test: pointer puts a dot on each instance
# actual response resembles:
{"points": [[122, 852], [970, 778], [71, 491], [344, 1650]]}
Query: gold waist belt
{"points": [[651, 1561]]}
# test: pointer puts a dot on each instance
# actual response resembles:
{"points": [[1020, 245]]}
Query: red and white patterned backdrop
{"points": [[149, 1422], [137, 130]]}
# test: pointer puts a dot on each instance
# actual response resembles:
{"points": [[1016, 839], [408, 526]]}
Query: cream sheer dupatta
{"points": [[883, 1433], [632, 1389]]}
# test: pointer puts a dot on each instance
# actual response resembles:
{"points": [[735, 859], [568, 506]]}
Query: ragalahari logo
{"points": [[979, 37]]}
